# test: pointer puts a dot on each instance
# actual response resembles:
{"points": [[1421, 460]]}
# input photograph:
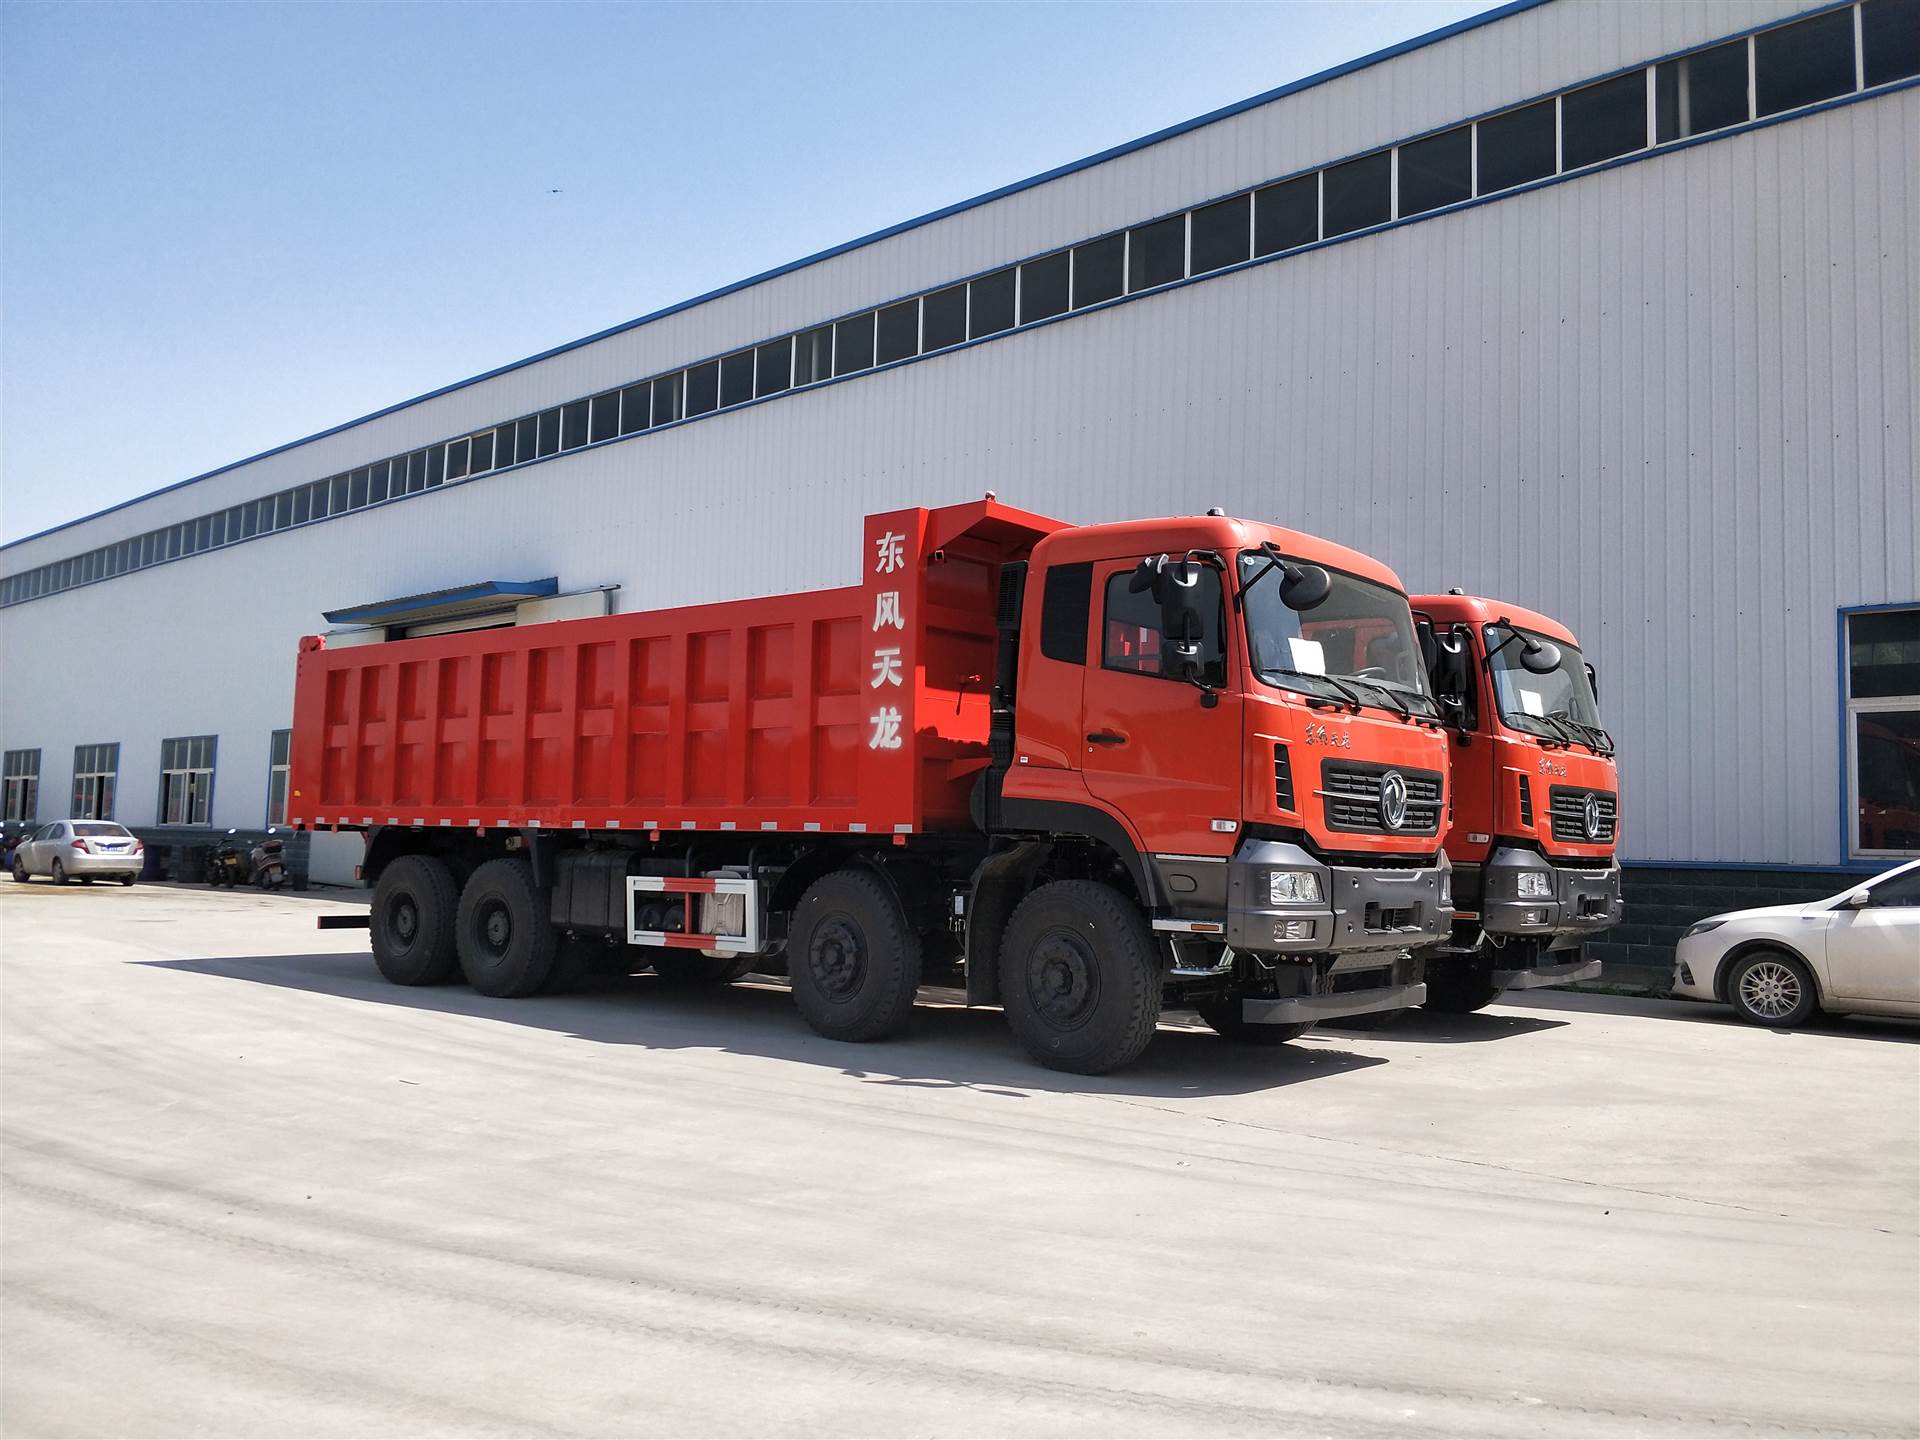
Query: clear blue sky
{"points": [[223, 227]]}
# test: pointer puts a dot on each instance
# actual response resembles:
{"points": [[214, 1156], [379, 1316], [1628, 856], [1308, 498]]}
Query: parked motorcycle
{"points": [[227, 864]]}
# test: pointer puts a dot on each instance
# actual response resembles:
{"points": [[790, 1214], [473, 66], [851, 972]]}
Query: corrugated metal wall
{"points": [[1672, 403]]}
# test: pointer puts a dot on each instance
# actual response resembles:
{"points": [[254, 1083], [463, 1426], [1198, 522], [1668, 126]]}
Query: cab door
{"points": [[1873, 953], [1151, 747]]}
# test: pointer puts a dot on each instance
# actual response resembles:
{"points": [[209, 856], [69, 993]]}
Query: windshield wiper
{"points": [[1602, 745], [1353, 697], [1561, 727], [1395, 689], [1385, 689]]}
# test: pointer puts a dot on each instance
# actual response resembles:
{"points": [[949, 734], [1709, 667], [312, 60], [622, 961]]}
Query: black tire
{"points": [[690, 970], [853, 958], [1459, 989], [126, 880], [411, 921], [1080, 977], [1225, 1019], [59, 872], [19, 870], [1773, 989], [504, 939]]}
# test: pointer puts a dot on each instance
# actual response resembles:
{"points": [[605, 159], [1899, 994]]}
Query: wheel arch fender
{"points": [[1731, 958]]}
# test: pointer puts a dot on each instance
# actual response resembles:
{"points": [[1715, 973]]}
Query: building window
{"points": [[22, 785], [1157, 253], [853, 345], [990, 304], [1436, 171], [96, 769], [899, 333], [669, 397], [773, 368], [605, 422], [1890, 40], [1803, 63], [943, 318], [1099, 270], [277, 777], [736, 378], [1516, 147], [636, 408], [813, 355], [703, 388], [1222, 234], [1883, 732], [1043, 287], [1701, 92], [1286, 215], [1359, 193], [186, 780], [1598, 122]]}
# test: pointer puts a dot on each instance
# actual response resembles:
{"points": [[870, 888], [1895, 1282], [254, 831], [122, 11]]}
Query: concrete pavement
{"points": [[249, 1188]]}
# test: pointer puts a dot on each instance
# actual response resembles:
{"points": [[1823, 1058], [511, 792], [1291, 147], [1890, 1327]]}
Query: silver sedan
{"points": [[83, 850]]}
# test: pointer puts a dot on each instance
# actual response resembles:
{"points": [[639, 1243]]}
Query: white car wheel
{"points": [[1771, 988]]}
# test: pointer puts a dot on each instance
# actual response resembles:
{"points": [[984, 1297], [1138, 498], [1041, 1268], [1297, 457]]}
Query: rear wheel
{"points": [[86, 879], [1225, 1018], [1772, 988], [1080, 977], [688, 969], [505, 942], [59, 872], [853, 959], [126, 879], [411, 921], [19, 870]]}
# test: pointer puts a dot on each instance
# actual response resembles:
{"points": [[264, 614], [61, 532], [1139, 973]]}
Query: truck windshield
{"points": [[1559, 705], [1358, 645]]}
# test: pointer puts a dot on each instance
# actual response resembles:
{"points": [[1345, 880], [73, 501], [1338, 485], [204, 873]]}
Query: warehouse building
{"points": [[1611, 309]]}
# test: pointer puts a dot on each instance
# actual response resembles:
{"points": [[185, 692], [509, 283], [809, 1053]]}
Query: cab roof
{"points": [[1479, 610], [1126, 539]]}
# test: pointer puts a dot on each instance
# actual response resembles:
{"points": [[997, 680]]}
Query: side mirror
{"points": [[1305, 587], [1856, 899], [1539, 657]]}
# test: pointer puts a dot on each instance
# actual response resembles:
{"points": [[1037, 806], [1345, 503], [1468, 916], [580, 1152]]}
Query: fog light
{"points": [[1534, 885], [1293, 929], [1293, 887], [1446, 889], [1533, 917]]}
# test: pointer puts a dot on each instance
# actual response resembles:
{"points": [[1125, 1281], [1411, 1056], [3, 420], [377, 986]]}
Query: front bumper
{"points": [[1582, 903], [1298, 1009], [1534, 976], [1360, 909]]}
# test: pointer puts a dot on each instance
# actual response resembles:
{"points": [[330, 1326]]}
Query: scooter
{"points": [[267, 866]]}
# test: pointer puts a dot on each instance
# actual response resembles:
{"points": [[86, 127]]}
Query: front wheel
{"points": [[1080, 977], [852, 958], [1773, 989], [1226, 1020], [59, 873], [1459, 989], [19, 870]]}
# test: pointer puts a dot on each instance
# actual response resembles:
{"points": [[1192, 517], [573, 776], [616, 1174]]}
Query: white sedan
{"points": [[1857, 952]]}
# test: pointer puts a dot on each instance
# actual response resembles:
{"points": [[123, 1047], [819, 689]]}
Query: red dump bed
{"points": [[862, 709]]}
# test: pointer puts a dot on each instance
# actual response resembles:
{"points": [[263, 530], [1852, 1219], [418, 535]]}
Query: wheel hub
{"points": [[1770, 989], [497, 926], [406, 920], [838, 957], [1063, 980]]}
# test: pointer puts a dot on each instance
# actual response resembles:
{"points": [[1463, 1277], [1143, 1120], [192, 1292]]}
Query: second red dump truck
{"points": [[1187, 761], [1535, 821]]}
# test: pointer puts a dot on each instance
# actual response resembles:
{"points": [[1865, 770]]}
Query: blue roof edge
{"points": [[1211, 117], [451, 595]]}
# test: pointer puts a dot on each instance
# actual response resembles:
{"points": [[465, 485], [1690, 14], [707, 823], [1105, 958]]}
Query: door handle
{"points": [[1106, 737]]}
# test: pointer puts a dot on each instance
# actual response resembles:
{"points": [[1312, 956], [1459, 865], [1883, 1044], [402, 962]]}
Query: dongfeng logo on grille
{"points": [[1590, 816], [1393, 799]]}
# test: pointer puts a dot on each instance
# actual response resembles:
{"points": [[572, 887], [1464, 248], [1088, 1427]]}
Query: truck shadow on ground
{"points": [[1700, 1012], [948, 1045], [1430, 1027]]}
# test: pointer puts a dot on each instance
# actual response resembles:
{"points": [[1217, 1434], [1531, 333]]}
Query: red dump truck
{"points": [[1189, 761], [1536, 801]]}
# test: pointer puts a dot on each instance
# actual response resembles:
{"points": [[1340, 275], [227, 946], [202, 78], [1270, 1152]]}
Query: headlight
{"points": [[1700, 927], [1293, 887], [1446, 888], [1534, 885]]}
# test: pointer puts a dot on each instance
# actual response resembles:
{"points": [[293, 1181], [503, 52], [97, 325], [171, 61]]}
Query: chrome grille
{"points": [[1351, 794], [1568, 806]]}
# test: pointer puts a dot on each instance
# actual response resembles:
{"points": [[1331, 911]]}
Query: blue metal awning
{"points": [[449, 604]]}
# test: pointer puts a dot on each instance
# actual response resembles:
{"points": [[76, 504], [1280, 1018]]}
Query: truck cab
{"points": [[1535, 823], [1240, 713]]}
